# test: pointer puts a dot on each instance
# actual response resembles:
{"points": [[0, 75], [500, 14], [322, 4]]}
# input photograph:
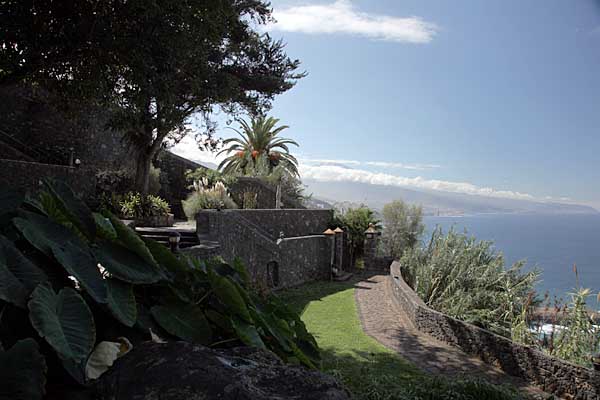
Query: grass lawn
{"points": [[369, 369]]}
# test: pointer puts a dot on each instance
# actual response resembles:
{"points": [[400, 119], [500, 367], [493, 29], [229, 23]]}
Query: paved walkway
{"points": [[383, 320]]}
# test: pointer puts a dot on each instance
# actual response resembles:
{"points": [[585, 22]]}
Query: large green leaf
{"points": [[121, 301], [165, 258], [67, 248], [182, 278], [229, 295], [76, 210], [22, 372], [22, 268], [18, 275], [104, 228], [275, 328], [9, 200], [76, 369], [126, 265], [238, 265], [64, 320], [130, 239], [11, 289], [184, 321], [247, 333]]}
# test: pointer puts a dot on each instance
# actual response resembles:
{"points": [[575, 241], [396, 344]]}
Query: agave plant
{"points": [[258, 140], [70, 278]]}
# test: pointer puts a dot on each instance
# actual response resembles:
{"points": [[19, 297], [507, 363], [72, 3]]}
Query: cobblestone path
{"points": [[383, 320]]}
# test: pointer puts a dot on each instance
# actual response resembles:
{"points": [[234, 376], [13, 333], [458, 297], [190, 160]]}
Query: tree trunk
{"points": [[142, 173]]}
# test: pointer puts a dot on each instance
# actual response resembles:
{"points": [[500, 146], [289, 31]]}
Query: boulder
{"points": [[184, 371]]}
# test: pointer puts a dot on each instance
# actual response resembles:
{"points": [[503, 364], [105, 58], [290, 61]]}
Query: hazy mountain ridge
{"points": [[434, 202]]}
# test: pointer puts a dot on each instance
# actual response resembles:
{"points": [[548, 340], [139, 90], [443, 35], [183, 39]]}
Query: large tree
{"points": [[152, 64], [403, 227]]}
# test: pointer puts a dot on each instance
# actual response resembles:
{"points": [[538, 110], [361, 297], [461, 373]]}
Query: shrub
{"points": [[208, 177], [72, 279], [207, 198], [467, 279], [137, 206], [355, 221], [250, 200], [579, 338], [114, 181], [403, 227]]}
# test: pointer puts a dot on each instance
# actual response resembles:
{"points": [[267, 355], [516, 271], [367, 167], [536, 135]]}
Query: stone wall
{"points": [[304, 259], [26, 177], [29, 123], [292, 222], [549, 373], [174, 186], [271, 262]]}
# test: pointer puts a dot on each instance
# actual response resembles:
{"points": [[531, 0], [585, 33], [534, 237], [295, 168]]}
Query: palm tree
{"points": [[259, 144]]}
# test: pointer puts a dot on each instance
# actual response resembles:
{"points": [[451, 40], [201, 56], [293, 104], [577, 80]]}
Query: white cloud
{"points": [[342, 17], [330, 170], [188, 148], [334, 173], [382, 164]]}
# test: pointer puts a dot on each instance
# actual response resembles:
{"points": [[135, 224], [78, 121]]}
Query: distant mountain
{"points": [[314, 202], [434, 202]]}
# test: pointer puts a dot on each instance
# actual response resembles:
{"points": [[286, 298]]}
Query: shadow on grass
{"points": [[385, 376], [299, 297]]}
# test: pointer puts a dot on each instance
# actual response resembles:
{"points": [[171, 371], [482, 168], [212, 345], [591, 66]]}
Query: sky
{"points": [[496, 98]]}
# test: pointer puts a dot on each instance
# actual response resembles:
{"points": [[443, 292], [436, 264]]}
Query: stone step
{"points": [[187, 238]]}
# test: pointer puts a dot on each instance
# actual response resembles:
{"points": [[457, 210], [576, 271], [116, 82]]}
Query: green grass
{"points": [[367, 368]]}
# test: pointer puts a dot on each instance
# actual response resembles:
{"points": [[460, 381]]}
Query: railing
{"points": [[28, 150]]}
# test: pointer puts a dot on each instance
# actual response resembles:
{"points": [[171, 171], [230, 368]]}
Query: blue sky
{"points": [[484, 97]]}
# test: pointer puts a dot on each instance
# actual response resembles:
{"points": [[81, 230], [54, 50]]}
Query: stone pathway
{"points": [[383, 320]]}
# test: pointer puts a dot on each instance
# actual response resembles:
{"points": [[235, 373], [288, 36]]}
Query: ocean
{"points": [[553, 243]]}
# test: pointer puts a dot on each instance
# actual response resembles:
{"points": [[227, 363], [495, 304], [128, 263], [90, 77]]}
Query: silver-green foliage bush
{"points": [[467, 279], [579, 337], [207, 198]]}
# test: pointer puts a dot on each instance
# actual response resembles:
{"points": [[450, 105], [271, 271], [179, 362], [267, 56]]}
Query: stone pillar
{"points": [[339, 249], [370, 247]]}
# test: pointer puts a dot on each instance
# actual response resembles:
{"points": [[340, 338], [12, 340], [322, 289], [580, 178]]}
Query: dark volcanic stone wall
{"points": [[26, 177], [290, 222], [304, 259], [271, 262], [551, 374], [29, 123], [174, 186]]}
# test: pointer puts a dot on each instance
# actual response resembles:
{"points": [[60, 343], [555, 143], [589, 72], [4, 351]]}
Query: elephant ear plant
{"points": [[71, 280]]}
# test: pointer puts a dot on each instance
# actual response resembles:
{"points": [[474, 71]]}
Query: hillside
{"points": [[434, 202]]}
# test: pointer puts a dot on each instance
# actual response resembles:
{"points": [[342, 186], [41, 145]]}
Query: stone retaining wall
{"points": [[292, 222], [549, 373], [26, 177], [174, 185], [270, 261]]}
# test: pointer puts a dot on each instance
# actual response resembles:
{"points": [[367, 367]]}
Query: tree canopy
{"points": [[259, 142], [151, 64], [403, 227]]}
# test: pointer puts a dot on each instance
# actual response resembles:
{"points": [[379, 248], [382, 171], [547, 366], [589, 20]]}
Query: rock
{"points": [[184, 371]]}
